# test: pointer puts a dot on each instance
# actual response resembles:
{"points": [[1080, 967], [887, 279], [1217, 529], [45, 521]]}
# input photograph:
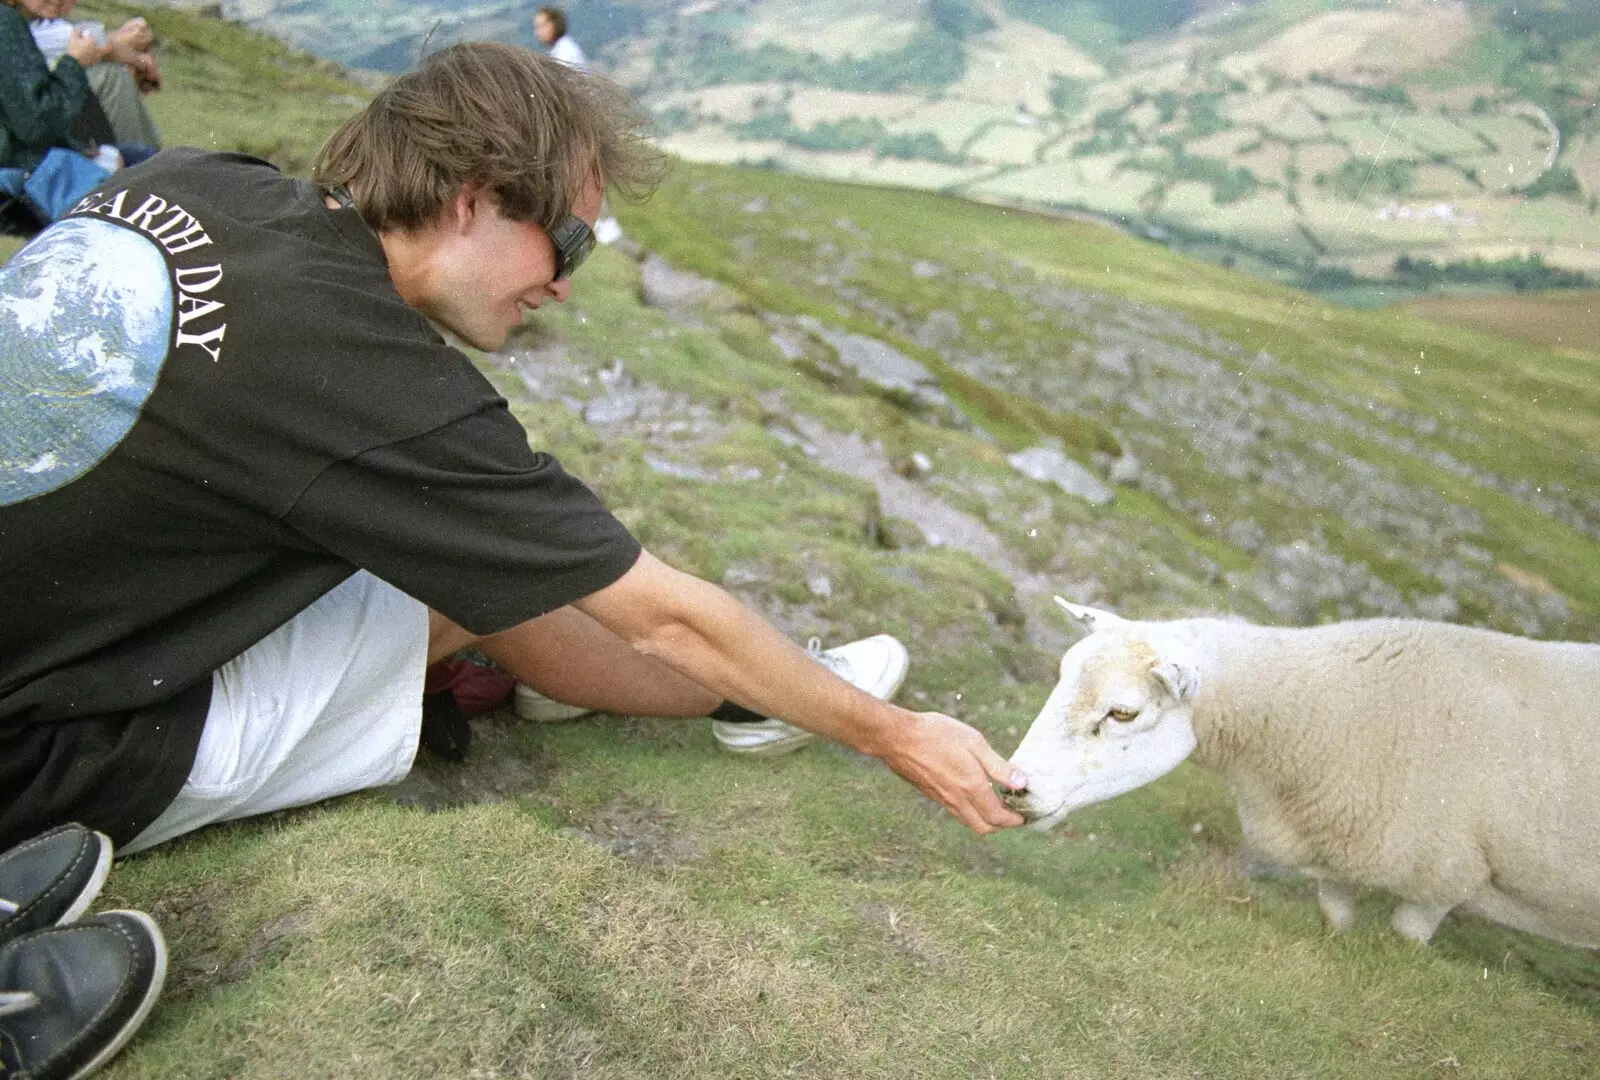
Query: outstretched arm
{"points": [[703, 632]]}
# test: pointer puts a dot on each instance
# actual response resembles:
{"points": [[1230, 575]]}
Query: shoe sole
{"points": [[900, 679], [92, 887], [136, 1021], [774, 748], [544, 710], [791, 743]]}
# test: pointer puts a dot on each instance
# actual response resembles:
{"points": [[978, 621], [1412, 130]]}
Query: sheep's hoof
{"points": [[1418, 921], [1338, 903]]}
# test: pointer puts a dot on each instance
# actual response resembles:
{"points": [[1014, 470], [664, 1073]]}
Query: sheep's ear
{"points": [[1091, 619], [1181, 680]]}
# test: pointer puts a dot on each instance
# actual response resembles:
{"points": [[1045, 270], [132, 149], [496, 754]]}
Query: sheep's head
{"points": [[1117, 719]]}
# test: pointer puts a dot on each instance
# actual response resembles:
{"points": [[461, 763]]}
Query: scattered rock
{"points": [[1049, 465], [672, 290], [743, 575], [1124, 470], [887, 368], [1441, 608], [758, 205], [1301, 581], [612, 408], [1246, 534], [939, 329], [913, 466], [678, 470]]}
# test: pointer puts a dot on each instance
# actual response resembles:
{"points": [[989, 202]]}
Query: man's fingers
{"points": [[953, 764], [993, 812], [1000, 770]]}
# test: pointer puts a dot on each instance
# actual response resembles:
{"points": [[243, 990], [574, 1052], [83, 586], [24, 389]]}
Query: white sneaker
{"points": [[876, 664], [532, 705]]}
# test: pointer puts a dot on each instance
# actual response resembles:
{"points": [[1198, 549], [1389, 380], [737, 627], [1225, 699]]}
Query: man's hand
{"points": [[952, 764], [82, 48], [134, 36], [145, 74]]}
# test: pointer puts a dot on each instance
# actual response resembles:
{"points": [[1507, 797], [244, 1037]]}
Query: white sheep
{"points": [[1452, 766]]}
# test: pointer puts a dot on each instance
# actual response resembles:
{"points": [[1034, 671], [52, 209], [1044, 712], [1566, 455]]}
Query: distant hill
{"points": [[1312, 141]]}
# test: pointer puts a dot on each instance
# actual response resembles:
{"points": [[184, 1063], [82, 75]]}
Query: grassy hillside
{"points": [[613, 898]]}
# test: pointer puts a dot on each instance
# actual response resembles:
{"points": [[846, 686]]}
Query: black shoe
{"points": [[445, 730], [72, 996], [51, 879]]}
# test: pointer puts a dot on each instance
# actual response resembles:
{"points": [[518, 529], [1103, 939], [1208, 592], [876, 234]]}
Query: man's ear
{"points": [[1091, 619], [466, 206]]}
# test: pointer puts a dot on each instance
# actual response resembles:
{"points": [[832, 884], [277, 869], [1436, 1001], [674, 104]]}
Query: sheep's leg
{"points": [[1419, 921], [1338, 903]]}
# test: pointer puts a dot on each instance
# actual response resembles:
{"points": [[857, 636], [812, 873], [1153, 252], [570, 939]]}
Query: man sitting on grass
{"points": [[248, 493]]}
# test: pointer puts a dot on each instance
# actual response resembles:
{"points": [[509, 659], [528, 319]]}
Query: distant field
{"points": [[833, 28], [1563, 321]]}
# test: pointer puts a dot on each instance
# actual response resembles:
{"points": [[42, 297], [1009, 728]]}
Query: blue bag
{"points": [[55, 185]]}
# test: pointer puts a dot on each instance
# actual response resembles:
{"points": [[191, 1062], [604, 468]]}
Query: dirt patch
{"points": [[638, 833], [203, 954], [901, 934], [495, 770]]}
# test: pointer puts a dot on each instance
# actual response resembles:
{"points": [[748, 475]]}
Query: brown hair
{"points": [[529, 129], [558, 20]]}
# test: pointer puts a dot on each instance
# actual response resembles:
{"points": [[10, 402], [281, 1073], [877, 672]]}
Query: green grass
{"points": [[1502, 408], [627, 902]]}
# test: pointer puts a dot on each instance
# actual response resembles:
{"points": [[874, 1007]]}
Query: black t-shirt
{"points": [[214, 407]]}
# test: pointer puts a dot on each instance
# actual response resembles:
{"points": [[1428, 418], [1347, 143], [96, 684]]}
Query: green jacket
{"points": [[37, 106]]}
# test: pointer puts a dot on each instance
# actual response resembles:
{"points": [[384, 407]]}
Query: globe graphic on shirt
{"points": [[85, 318]]}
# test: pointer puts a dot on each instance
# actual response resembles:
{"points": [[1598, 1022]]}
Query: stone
{"points": [[611, 409], [677, 470], [913, 466], [742, 575], [939, 329], [1049, 465], [671, 289], [1124, 470]]}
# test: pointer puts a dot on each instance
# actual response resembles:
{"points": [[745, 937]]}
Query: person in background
{"points": [[39, 107], [550, 27], [121, 75]]}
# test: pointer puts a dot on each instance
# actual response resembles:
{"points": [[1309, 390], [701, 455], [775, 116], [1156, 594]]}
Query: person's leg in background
{"points": [[114, 87]]}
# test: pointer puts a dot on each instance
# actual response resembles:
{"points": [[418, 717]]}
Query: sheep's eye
{"points": [[1122, 714]]}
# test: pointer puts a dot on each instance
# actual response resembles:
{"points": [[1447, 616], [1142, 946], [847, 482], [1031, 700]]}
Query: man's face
{"points": [[484, 270], [544, 29]]}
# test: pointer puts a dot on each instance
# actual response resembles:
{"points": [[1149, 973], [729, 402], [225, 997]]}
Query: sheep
{"points": [[1451, 766]]}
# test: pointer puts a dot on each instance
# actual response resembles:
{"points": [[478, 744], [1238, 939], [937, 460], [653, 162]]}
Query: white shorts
{"points": [[327, 704]]}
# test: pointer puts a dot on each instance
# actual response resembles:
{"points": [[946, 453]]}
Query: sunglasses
{"points": [[573, 240]]}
